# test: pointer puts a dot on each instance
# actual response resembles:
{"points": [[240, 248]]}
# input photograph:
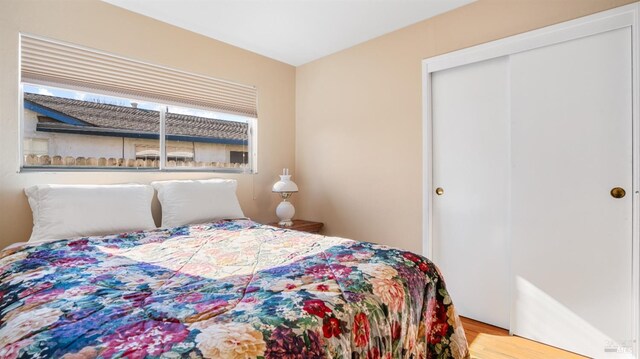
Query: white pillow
{"points": [[69, 211], [187, 202]]}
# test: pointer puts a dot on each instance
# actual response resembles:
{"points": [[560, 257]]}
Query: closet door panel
{"points": [[470, 164], [571, 240]]}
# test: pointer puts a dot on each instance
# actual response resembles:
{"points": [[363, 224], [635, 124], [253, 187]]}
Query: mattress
{"points": [[229, 289]]}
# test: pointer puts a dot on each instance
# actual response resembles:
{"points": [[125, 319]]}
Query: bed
{"points": [[227, 289]]}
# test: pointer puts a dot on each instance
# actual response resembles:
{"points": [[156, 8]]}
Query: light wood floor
{"points": [[489, 342]]}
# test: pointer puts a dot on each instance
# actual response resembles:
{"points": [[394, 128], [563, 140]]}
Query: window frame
{"points": [[252, 124]]}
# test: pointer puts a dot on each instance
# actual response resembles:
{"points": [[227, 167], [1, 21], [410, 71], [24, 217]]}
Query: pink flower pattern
{"points": [[140, 339]]}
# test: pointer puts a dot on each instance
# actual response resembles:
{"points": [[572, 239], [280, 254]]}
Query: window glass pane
{"points": [[199, 139], [74, 129], [66, 128]]}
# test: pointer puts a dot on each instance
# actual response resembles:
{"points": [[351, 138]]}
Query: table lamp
{"points": [[285, 187]]}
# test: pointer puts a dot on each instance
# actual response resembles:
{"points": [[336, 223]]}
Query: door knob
{"points": [[439, 191], [617, 192]]}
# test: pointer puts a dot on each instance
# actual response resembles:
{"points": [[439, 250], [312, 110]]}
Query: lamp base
{"points": [[288, 223], [285, 212]]}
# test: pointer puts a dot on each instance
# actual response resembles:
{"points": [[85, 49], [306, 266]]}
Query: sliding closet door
{"points": [[571, 141], [470, 168]]}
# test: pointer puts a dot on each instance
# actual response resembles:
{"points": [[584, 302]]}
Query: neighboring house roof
{"points": [[91, 118]]}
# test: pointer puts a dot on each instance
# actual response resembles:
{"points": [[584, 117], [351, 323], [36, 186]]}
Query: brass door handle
{"points": [[439, 191], [618, 192]]}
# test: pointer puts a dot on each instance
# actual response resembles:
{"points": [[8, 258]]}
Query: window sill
{"points": [[32, 169]]}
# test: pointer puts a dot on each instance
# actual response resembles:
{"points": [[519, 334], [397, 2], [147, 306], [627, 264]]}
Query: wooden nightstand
{"points": [[302, 225]]}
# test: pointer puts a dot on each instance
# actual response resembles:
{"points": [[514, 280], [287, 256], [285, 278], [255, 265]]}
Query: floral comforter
{"points": [[231, 289]]}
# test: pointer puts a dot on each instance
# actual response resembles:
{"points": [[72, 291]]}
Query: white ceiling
{"points": [[291, 31]]}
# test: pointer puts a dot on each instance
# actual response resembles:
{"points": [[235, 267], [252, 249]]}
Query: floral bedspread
{"points": [[230, 289]]}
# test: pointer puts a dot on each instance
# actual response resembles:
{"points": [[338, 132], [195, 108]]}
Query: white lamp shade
{"points": [[285, 185]]}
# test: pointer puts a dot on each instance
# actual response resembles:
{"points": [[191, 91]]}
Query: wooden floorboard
{"points": [[489, 342]]}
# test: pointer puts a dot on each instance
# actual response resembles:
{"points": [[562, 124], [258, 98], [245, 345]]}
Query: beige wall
{"points": [[99, 25], [359, 120]]}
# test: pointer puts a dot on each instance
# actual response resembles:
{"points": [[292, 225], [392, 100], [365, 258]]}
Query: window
{"points": [[238, 156], [83, 114], [36, 146], [36, 151], [173, 153]]}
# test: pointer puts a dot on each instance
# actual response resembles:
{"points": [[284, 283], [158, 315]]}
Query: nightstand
{"points": [[302, 225]]}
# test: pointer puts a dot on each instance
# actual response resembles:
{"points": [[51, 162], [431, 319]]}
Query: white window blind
{"points": [[51, 63]]}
